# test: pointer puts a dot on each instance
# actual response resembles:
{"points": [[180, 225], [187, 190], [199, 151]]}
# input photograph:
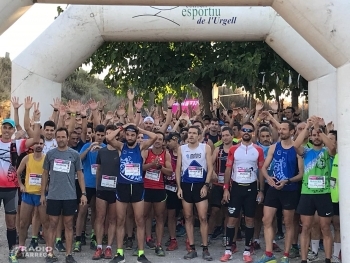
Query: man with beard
{"points": [[194, 170], [214, 129], [219, 159], [156, 166], [315, 191], [31, 191], [62, 163], [243, 162], [283, 190], [130, 187]]}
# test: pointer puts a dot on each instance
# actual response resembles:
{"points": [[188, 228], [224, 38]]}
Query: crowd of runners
{"points": [[135, 170]]}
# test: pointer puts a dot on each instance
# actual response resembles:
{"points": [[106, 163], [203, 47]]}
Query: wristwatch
{"points": [[207, 184], [83, 193]]}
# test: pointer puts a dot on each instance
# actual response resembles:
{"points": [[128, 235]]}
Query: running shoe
{"points": [[142, 259], [159, 251], [266, 259], [191, 254], [276, 248], [294, 253], [98, 254], [206, 255], [312, 256], [59, 246], [247, 257], [226, 257], [77, 246], [172, 245]]}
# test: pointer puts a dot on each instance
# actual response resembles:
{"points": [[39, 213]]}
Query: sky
{"points": [[27, 28]]}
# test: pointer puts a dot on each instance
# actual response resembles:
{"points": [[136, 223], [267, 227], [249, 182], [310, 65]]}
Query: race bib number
{"points": [[171, 188], [333, 182], [35, 179], [244, 174], [195, 172], [132, 169], [317, 182], [109, 181], [221, 179], [62, 166], [93, 169], [153, 175]]}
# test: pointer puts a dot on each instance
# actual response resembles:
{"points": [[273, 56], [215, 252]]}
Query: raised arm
{"points": [[298, 143], [16, 105], [165, 125]]}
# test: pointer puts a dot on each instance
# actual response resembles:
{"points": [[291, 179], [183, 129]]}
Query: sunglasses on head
{"points": [[247, 130]]}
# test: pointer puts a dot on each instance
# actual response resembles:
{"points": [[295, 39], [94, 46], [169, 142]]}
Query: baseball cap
{"points": [[9, 121], [148, 118], [172, 135], [183, 129]]}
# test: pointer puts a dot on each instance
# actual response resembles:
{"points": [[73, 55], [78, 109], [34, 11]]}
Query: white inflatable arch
{"points": [[312, 36]]}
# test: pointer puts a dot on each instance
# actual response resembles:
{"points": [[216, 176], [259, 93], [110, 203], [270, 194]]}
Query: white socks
{"points": [[315, 244], [336, 250]]}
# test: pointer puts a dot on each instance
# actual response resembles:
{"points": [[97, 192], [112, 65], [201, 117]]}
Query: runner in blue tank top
{"points": [[130, 187], [283, 190]]}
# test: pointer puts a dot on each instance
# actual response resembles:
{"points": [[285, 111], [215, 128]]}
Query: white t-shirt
{"points": [[49, 145]]}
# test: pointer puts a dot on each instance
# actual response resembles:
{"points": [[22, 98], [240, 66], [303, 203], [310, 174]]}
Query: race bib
{"points": [[244, 174], [93, 169], [195, 172], [35, 179], [62, 166], [333, 182], [221, 179], [132, 169], [109, 181], [317, 182], [153, 175], [171, 188]]}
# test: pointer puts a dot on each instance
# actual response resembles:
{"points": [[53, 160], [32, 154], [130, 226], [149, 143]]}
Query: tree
{"points": [[172, 67], [5, 78]]}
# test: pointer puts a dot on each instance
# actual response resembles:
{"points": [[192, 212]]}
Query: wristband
{"points": [[55, 109], [207, 185], [83, 117], [138, 111], [258, 119], [77, 114], [73, 114], [37, 122], [226, 186]]}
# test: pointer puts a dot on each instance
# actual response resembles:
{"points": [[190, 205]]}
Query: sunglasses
{"points": [[246, 130]]}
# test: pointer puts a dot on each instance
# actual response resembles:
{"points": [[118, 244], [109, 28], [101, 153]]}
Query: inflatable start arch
{"points": [[312, 36]]}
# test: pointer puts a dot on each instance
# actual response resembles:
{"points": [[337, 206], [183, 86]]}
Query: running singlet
{"points": [[317, 171], [34, 170], [245, 162], [221, 165], [334, 181], [130, 165], [153, 177], [194, 164], [8, 174], [285, 165], [266, 150], [170, 181]]}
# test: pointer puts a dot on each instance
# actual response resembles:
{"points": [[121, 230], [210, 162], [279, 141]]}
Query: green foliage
{"points": [[171, 67], [5, 78], [83, 86]]}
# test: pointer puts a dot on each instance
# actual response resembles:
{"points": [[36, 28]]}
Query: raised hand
{"points": [[330, 126], [138, 104], [121, 110], [92, 104], [56, 104], [171, 101], [259, 106], [15, 102], [274, 106], [36, 114], [109, 115], [130, 95], [62, 110], [28, 103]]}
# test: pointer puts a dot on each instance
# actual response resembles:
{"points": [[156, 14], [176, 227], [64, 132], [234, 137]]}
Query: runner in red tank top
{"points": [[157, 164]]}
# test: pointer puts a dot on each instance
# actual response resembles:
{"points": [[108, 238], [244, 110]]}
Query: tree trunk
{"points": [[295, 98], [205, 86]]}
